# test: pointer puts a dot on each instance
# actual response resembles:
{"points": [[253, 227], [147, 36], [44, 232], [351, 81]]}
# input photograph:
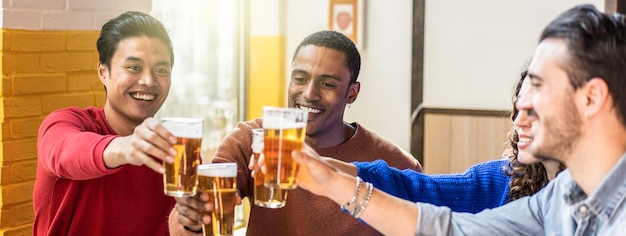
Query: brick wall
{"points": [[48, 61], [39, 76]]}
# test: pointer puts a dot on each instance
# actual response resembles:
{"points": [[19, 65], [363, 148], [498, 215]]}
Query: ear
{"points": [[103, 73], [597, 96], [353, 92]]}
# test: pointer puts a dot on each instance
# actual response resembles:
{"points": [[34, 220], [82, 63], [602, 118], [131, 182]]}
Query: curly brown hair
{"points": [[526, 179]]}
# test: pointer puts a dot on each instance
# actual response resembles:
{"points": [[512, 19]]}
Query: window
{"points": [[207, 73]]}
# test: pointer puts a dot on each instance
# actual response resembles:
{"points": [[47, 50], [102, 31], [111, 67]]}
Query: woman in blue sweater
{"points": [[485, 185]]}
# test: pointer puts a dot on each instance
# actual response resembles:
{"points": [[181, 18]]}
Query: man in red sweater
{"points": [[323, 81], [99, 170]]}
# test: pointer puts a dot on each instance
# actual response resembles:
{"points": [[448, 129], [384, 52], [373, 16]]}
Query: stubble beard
{"points": [[561, 134]]}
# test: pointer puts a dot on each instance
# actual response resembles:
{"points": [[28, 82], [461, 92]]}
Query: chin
{"points": [[529, 161]]}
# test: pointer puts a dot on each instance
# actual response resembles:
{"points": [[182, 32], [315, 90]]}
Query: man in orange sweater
{"points": [[323, 81]]}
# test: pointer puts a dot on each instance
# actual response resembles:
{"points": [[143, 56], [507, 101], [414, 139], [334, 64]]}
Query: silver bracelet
{"points": [[369, 188], [352, 201]]}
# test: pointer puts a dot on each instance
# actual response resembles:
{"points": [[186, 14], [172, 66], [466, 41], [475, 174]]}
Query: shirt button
{"points": [[582, 209]]}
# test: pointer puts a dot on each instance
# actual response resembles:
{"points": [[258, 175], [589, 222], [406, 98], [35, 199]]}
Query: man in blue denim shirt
{"points": [[578, 110], [577, 105]]}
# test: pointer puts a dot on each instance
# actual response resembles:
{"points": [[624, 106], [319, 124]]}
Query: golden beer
{"points": [[180, 178], [268, 197], [284, 130], [278, 145], [220, 182]]}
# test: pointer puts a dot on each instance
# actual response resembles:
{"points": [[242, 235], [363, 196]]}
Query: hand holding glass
{"points": [[220, 182], [180, 178], [285, 129], [268, 197]]}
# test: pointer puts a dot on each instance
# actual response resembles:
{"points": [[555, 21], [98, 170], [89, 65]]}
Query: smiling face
{"points": [[556, 121], [320, 83], [523, 125], [137, 81]]}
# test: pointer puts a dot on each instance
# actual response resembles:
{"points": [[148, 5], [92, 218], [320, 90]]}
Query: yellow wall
{"points": [[266, 85], [41, 71]]}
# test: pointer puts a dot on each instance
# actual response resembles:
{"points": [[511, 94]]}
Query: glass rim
{"points": [[274, 108], [182, 119], [225, 169]]}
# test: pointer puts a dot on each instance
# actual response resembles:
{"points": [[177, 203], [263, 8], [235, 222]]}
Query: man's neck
{"points": [[595, 157], [552, 168], [118, 124]]}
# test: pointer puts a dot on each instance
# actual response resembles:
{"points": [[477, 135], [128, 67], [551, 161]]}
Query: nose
{"points": [[521, 120], [311, 91], [147, 78]]}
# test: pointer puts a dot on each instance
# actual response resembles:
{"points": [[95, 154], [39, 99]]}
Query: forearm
{"points": [[66, 153], [113, 157], [390, 215], [345, 167], [386, 213]]}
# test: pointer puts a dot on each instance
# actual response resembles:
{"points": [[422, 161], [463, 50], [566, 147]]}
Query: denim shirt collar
{"points": [[611, 192]]}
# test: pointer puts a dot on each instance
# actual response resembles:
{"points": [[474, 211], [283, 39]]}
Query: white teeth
{"points": [[525, 140], [310, 110], [143, 96]]}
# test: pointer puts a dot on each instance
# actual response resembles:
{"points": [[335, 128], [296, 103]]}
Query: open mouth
{"points": [[524, 142], [309, 109], [142, 96]]}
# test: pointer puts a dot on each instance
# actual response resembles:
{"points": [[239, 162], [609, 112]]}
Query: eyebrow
{"points": [[132, 58], [534, 76], [325, 76], [137, 59]]}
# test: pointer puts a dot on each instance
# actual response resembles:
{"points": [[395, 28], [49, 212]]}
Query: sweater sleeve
{"points": [[482, 186], [237, 147], [69, 148]]}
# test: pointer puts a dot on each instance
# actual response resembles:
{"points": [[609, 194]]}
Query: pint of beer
{"points": [[219, 180], [268, 197], [180, 178], [285, 129]]}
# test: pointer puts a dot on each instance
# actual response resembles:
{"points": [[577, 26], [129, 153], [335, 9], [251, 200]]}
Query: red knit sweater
{"points": [[76, 194], [305, 213]]}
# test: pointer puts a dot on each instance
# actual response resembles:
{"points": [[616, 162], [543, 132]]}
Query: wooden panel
{"points": [[463, 142], [436, 143], [491, 139], [453, 143]]}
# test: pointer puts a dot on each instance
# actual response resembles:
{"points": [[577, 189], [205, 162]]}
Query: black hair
{"points": [[126, 25], [337, 41]]}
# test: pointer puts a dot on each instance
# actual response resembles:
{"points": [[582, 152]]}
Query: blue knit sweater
{"points": [[482, 186]]}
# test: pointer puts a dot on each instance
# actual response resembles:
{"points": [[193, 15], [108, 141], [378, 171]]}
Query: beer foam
{"points": [[184, 127], [257, 140], [281, 124], [218, 169], [284, 118]]}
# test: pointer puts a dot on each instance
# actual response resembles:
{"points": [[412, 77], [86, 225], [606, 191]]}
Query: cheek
{"points": [[292, 90], [166, 85]]}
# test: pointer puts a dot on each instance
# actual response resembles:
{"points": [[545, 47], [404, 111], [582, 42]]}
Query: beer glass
{"points": [[285, 129], [219, 180], [268, 197], [180, 178]]}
